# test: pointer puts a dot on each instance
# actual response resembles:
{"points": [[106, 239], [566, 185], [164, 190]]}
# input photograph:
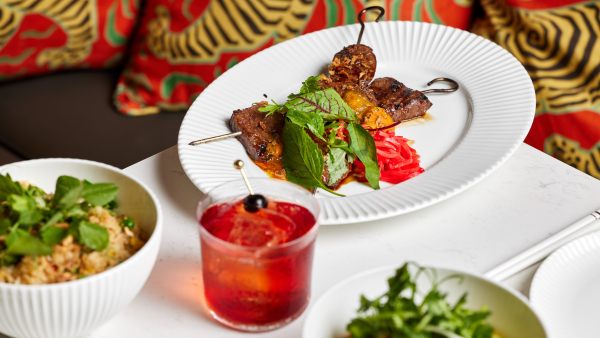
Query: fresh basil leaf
{"points": [[311, 84], [8, 187], [336, 165], [26, 207], [67, 192], [327, 103], [20, 242], [53, 235], [99, 193], [363, 145], [92, 235], [271, 108], [302, 159], [313, 122], [340, 144]]}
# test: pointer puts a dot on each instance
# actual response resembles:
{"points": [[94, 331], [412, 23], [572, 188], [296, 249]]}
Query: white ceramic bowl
{"points": [[75, 308], [511, 316]]}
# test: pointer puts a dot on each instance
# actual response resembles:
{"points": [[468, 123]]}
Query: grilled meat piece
{"points": [[261, 134], [351, 67], [399, 101]]}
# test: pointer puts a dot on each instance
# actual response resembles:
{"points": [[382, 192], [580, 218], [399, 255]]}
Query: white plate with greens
{"points": [[489, 310], [469, 134]]}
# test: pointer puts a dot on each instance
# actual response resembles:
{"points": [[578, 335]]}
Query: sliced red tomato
{"points": [[398, 161]]}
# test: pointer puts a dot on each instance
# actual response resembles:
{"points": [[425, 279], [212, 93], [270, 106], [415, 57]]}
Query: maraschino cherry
{"points": [[252, 202]]}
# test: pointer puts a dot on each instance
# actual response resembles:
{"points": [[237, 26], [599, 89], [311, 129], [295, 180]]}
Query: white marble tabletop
{"points": [[525, 201]]}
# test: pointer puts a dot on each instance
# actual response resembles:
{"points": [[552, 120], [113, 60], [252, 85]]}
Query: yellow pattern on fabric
{"points": [[227, 26], [78, 20], [560, 48], [570, 152]]}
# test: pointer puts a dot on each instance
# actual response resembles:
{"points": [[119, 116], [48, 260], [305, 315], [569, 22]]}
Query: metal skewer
{"points": [[215, 138], [454, 86], [239, 165], [361, 21]]}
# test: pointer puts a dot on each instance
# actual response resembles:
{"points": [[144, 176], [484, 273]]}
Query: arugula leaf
{"points": [[20, 242], [53, 235], [8, 187], [92, 235], [337, 165], [26, 207], [363, 145], [99, 193], [314, 122], [67, 192], [327, 103], [302, 159]]}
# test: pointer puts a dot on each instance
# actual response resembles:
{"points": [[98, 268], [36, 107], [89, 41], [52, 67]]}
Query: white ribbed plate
{"points": [[470, 133], [566, 289]]}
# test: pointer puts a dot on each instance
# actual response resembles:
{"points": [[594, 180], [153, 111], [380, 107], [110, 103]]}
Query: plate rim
{"points": [[568, 251], [431, 200]]}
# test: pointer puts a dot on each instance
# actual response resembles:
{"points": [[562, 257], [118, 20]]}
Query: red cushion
{"points": [[42, 36], [184, 45]]}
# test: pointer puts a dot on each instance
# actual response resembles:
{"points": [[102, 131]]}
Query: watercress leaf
{"points": [[99, 193], [26, 207], [56, 217], [363, 145], [302, 159], [313, 122], [92, 235], [67, 192], [336, 165], [327, 103], [52, 235], [8, 187], [21, 242], [75, 211]]}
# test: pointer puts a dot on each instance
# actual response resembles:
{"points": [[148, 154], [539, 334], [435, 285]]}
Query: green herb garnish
{"points": [[403, 312], [29, 216], [314, 118]]}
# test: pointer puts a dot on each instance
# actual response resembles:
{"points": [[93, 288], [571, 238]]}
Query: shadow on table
{"points": [[179, 283], [181, 192]]}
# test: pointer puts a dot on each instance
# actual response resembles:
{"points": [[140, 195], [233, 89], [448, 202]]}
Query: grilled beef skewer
{"points": [[399, 101]]}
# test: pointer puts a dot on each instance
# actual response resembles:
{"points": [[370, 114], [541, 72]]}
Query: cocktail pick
{"points": [[215, 138], [253, 202], [239, 165]]}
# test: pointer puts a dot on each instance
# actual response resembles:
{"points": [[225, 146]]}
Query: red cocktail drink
{"points": [[257, 264]]}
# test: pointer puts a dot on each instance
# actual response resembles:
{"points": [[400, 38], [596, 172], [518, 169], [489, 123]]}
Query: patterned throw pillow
{"points": [[39, 36], [183, 45], [558, 42]]}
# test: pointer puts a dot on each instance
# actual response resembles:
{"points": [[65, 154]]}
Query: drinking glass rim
{"points": [[248, 248]]}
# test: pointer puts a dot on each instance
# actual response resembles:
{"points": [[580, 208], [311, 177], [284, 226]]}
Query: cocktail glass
{"points": [[257, 266]]}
